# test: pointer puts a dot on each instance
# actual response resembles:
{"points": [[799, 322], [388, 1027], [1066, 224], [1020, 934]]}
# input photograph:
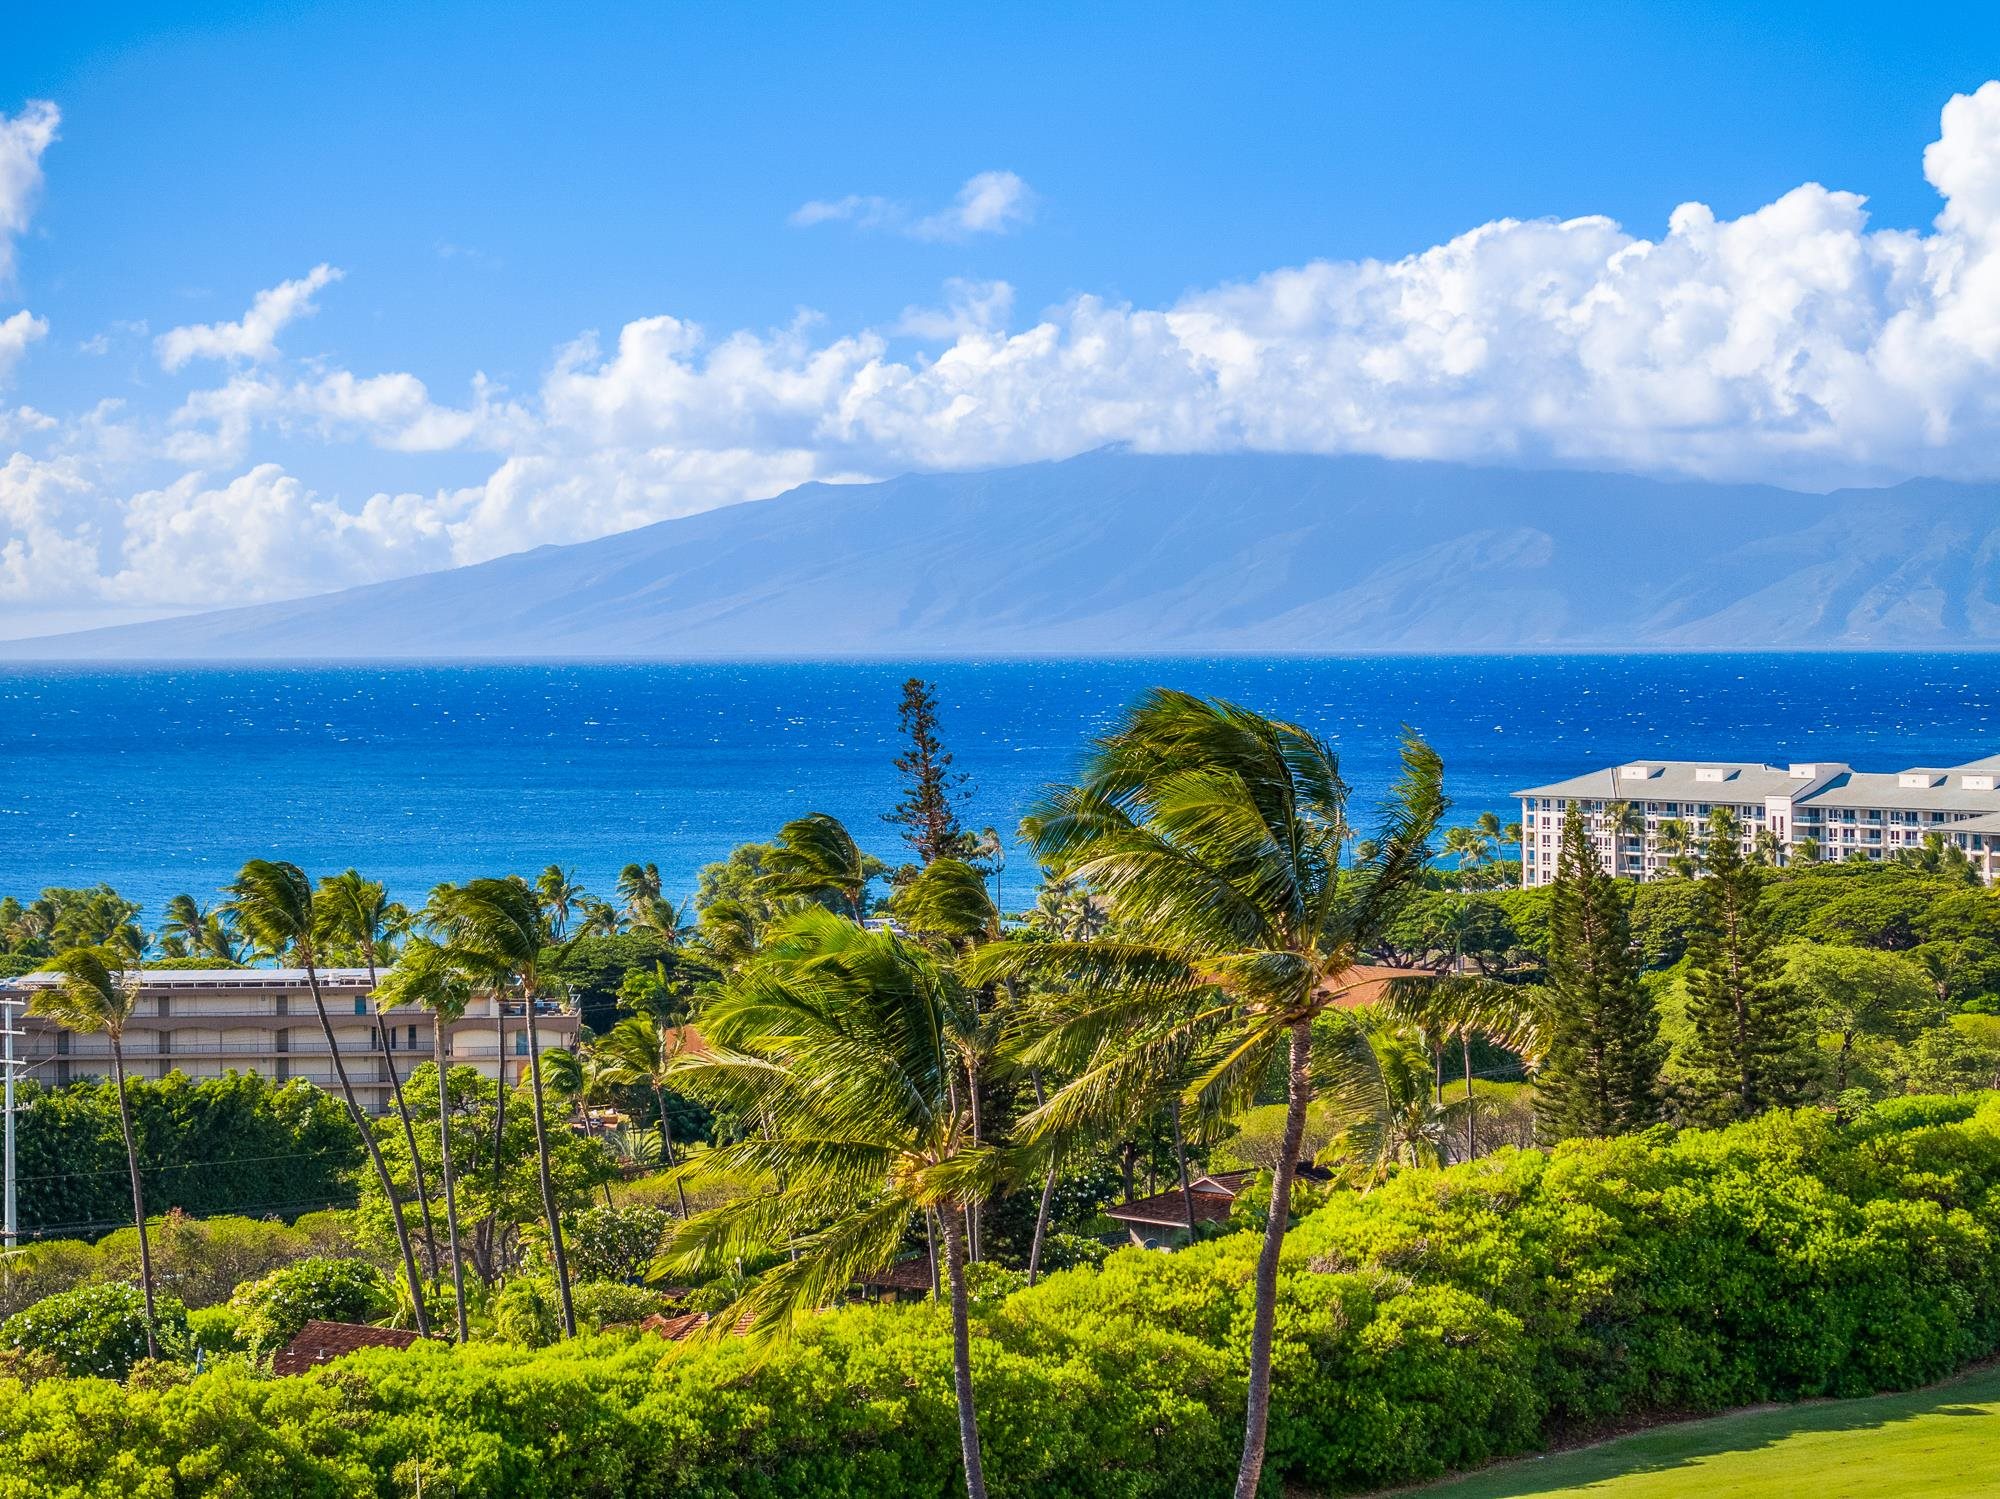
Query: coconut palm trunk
{"points": [[1048, 1192], [374, 1152], [961, 1351], [403, 1115], [450, 1189], [138, 1195], [667, 1143], [499, 1116], [1257, 1415], [556, 1254]]}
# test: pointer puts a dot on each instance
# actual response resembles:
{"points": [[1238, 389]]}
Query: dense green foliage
{"points": [[233, 1144], [273, 1309], [94, 1330], [1446, 1318], [199, 1260]]}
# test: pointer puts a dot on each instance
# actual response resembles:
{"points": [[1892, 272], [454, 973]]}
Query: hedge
{"points": [[1444, 1319]]}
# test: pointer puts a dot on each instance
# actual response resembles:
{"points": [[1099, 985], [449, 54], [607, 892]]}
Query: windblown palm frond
{"points": [[817, 859]]}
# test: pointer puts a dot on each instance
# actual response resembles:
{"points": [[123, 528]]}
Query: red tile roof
{"points": [[318, 1342]]}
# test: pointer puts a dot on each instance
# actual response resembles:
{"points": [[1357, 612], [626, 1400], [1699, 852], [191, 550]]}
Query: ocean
{"points": [[165, 779]]}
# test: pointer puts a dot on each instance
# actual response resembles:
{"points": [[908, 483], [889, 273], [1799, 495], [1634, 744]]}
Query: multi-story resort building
{"points": [[1821, 810], [205, 1022]]}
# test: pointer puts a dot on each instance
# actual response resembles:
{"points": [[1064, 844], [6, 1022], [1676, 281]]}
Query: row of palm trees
{"points": [[1209, 910]]}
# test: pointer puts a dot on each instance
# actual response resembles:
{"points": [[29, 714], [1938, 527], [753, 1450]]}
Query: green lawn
{"points": [[1939, 1443]]}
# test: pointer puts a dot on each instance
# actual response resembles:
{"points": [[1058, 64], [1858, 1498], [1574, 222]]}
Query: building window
{"points": [[361, 1004], [520, 1043]]}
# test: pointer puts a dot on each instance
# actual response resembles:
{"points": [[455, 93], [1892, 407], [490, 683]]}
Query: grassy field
{"points": [[1939, 1443]]}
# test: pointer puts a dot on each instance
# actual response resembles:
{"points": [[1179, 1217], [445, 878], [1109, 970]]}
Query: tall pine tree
{"points": [[1601, 1070], [1754, 1043], [928, 812]]}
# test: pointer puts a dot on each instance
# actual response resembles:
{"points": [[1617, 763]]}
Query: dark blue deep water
{"points": [[166, 779]]}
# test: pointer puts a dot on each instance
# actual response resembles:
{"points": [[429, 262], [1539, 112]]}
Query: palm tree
{"points": [[639, 885], [1471, 847], [1622, 820], [1216, 836], [561, 896], [816, 858], [1676, 843], [355, 911], [499, 925], [600, 918], [95, 996], [642, 1051], [841, 1039], [273, 902], [186, 924], [432, 977], [990, 849], [1378, 1082]]}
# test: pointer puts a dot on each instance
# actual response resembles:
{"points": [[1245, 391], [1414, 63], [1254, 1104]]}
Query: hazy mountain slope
{"points": [[1116, 552]]}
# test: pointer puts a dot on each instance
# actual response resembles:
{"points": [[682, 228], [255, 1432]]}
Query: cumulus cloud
{"points": [[1795, 343], [16, 333], [988, 203], [23, 139], [254, 336]]}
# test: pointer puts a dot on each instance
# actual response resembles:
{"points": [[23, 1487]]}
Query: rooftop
{"points": [[220, 978], [1972, 787]]}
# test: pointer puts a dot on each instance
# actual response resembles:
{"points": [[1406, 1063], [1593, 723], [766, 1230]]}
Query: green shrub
{"points": [[98, 1330], [616, 1243], [216, 1329], [603, 1302], [1443, 1319], [275, 1308], [527, 1312]]}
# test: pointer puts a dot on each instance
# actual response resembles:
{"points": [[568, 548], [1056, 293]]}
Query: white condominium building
{"points": [[1823, 810], [205, 1022]]}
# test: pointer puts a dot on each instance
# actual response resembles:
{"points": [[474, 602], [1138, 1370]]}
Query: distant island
{"points": [[1116, 552]]}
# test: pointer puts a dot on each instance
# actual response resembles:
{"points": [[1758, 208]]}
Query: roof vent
{"points": [[1920, 778], [1639, 772], [1804, 772], [1715, 772], [1981, 782]]}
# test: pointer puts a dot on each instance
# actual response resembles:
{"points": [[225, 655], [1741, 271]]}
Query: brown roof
{"points": [[680, 1329], [318, 1342], [905, 1275], [1212, 1196], [1364, 983]]}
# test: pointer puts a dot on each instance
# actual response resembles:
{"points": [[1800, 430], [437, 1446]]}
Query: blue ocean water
{"points": [[165, 779]]}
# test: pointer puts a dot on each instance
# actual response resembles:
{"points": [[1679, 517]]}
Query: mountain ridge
{"points": [[1115, 552]]}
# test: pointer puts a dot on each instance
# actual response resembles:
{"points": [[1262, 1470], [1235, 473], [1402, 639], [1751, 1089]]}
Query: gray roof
{"points": [[1817, 784], [1860, 788], [210, 978], [1743, 782]]}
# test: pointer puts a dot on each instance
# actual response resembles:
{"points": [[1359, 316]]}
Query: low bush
{"points": [[1443, 1319], [96, 1330], [272, 1310], [602, 1303]]}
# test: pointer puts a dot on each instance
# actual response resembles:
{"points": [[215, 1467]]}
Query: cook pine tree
{"points": [[932, 790], [1600, 1072], [1753, 1042]]}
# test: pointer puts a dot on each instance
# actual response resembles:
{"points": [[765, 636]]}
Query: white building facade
{"points": [[1829, 811], [205, 1022]]}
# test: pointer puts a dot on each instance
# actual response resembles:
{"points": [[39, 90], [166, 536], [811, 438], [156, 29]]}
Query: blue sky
{"points": [[489, 184]]}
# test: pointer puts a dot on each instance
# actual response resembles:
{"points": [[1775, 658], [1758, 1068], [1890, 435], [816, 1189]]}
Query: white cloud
{"points": [[16, 333], [987, 203], [255, 335], [23, 139], [1794, 343]]}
